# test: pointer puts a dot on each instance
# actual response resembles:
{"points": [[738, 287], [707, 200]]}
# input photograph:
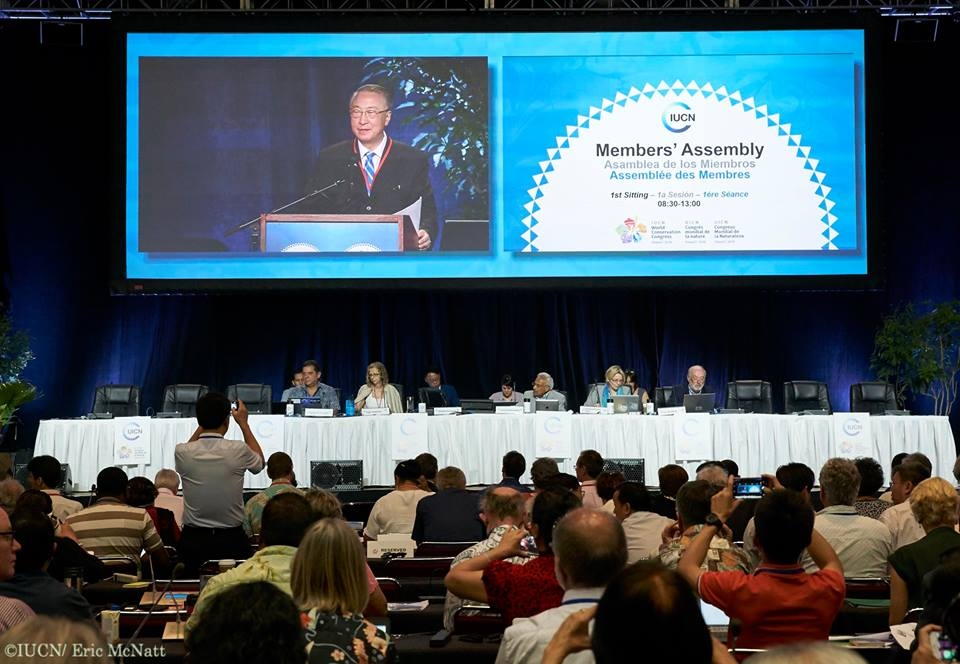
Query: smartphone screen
{"points": [[748, 487]]}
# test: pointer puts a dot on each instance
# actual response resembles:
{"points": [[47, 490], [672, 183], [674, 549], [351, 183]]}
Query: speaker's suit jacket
{"points": [[401, 180]]}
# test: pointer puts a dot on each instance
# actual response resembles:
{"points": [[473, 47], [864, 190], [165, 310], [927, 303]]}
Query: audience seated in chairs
{"points": [[395, 512], [45, 473], [512, 468], [934, 503], [646, 609], [862, 544], [32, 584], [286, 518], [871, 479], [450, 515], [671, 478], [502, 509], [589, 465], [428, 471], [778, 603], [67, 552], [212, 469], [167, 482], [329, 584], [282, 479], [517, 591], [252, 621], [12, 611], [326, 505], [590, 550], [10, 491], [795, 476], [643, 528], [141, 492], [110, 527], [693, 506], [59, 631], [900, 518], [607, 483]]}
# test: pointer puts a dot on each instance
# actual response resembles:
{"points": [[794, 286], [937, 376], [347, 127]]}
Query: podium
{"points": [[337, 233]]}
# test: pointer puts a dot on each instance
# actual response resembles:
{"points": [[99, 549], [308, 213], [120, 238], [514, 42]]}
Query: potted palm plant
{"points": [[14, 356], [917, 349]]}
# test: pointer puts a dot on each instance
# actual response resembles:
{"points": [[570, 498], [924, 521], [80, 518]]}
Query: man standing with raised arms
{"points": [[212, 469]]}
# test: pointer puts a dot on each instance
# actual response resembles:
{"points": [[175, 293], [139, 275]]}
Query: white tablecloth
{"points": [[476, 443]]}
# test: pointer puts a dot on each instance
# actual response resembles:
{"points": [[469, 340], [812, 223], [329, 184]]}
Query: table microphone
{"points": [[177, 569]]}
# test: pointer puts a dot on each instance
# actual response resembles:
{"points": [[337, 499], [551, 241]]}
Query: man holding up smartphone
{"points": [[779, 603]]}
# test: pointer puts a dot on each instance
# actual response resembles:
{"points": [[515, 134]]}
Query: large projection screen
{"points": [[525, 156]]}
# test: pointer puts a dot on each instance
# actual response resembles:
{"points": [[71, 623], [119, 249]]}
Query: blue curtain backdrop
{"points": [[56, 246]]}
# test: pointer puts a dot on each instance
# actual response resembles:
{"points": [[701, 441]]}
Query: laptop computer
{"points": [[626, 403], [699, 403], [544, 405]]}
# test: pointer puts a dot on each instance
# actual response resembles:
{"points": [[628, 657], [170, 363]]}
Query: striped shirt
{"points": [[108, 528], [13, 612]]}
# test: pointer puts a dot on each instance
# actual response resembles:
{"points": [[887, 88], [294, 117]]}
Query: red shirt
{"points": [[777, 603], [521, 591]]}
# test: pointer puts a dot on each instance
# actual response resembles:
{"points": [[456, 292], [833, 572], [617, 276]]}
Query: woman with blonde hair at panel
{"points": [[614, 385], [377, 392], [329, 585]]}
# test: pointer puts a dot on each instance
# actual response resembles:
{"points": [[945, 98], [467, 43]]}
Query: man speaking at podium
{"points": [[373, 174]]}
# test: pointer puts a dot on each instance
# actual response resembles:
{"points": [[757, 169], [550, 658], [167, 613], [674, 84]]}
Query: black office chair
{"points": [[751, 396], [182, 398], [801, 395], [256, 396], [119, 400], [872, 397], [399, 389], [663, 396]]}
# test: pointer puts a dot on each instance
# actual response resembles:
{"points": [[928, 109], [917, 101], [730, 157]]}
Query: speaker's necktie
{"points": [[369, 170]]}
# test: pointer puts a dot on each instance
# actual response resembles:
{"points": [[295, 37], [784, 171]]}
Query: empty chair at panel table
{"points": [[872, 397], [182, 398], [118, 400], [751, 396], [663, 396], [255, 396], [801, 395]]}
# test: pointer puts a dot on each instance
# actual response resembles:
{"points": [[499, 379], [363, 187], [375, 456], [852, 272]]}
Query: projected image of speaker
{"points": [[337, 475], [632, 469]]}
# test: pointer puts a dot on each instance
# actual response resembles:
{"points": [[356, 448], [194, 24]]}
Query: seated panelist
{"points": [[434, 379], [614, 385], [377, 392], [630, 380], [507, 393], [543, 389], [696, 384]]}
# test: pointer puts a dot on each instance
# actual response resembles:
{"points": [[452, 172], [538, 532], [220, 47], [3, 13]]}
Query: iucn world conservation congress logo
{"points": [[678, 117]]}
